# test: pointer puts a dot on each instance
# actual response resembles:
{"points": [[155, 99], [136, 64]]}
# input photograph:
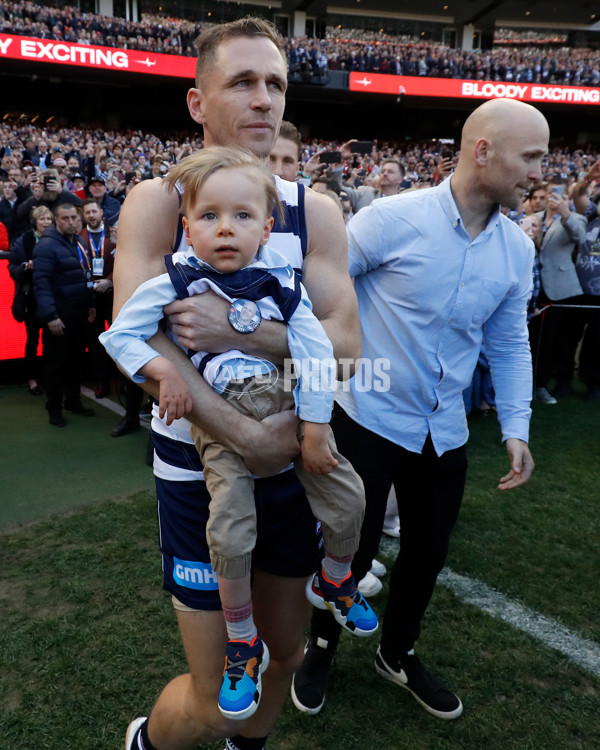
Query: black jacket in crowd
{"points": [[59, 281]]}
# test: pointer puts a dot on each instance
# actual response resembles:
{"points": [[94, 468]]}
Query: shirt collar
{"points": [[451, 209], [197, 262]]}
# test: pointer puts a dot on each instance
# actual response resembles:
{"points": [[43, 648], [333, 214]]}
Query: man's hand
{"points": [[521, 464], [269, 446], [56, 327], [444, 169], [103, 286], [200, 322], [559, 204]]}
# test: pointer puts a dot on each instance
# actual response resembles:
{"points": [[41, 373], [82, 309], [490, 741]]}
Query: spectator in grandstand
{"points": [[96, 235], [24, 308], [391, 175], [248, 115], [110, 206], [554, 335], [429, 311], [531, 224], [346, 205], [51, 196], [588, 271], [536, 203], [63, 287], [8, 206], [285, 154]]}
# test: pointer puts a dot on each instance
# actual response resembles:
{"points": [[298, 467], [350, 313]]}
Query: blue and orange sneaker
{"points": [[241, 688], [344, 601]]}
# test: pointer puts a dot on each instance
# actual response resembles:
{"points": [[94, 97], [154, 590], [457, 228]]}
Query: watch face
{"points": [[244, 315]]}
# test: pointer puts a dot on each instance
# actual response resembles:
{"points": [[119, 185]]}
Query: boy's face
{"points": [[228, 221]]}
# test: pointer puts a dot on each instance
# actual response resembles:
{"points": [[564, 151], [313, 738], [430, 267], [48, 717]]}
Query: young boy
{"points": [[227, 209]]}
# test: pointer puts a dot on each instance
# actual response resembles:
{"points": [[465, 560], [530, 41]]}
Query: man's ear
{"points": [[482, 151], [195, 105]]}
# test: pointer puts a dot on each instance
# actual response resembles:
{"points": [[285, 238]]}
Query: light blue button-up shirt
{"points": [[428, 296]]}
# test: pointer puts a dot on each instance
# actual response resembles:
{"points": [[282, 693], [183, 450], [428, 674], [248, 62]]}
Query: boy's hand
{"points": [[174, 400], [174, 397], [316, 454]]}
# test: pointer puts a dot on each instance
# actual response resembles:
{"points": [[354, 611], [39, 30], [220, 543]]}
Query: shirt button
{"points": [[462, 283], [451, 321]]}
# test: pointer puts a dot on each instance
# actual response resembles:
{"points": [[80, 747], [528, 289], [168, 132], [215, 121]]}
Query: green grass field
{"points": [[88, 638]]}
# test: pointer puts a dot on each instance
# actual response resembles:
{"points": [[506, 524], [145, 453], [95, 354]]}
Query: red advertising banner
{"points": [[377, 83], [12, 338], [88, 56]]}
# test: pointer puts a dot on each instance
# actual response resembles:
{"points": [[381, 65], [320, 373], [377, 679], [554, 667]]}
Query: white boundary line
{"points": [[111, 405], [579, 650]]}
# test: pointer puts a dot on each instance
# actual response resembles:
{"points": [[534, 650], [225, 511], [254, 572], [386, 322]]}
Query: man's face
{"points": [[537, 200], [16, 176], [242, 96], [390, 178], [284, 159], [97, 190], [67, 221], [92, 215], [346, 205], [515, 161], [8, 189]]}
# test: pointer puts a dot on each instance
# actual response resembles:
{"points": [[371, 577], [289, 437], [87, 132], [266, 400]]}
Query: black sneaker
{"points": [[56, 418], [79, 409], [432, 694], [310, 681]]}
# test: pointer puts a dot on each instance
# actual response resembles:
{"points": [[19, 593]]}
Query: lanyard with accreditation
{"points": [[97, 253], [85, 265]]}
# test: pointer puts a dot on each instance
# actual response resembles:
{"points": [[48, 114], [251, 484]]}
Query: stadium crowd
{"points": [[342, 48], [103, 166]]}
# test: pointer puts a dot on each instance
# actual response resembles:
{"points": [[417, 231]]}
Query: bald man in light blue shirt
{"points": [[437, 273]]}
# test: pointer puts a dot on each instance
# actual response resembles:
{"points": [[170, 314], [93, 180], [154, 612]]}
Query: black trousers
{"points": [[63, 364], [32, 328], [429, 491]]}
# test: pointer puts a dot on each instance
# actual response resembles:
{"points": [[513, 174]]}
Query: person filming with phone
{"points": [[554, 338], [390, 177], [53, 195]]}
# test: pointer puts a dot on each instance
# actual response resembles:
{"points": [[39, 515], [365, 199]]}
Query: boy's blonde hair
{"points": [[193, 171]]}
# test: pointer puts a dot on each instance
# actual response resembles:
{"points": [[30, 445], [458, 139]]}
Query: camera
{"points": [[361, 147], [330, 157]]}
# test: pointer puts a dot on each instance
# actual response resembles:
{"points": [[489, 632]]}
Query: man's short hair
{"points": [[397, 162], [291, 133], [89, 201], [538, 186], [65, 205], [210, 39]]}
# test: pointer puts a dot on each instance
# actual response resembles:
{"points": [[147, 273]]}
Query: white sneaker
{"points": [[391, 527], [378, 569], [370, 586], [544, 397], [131, 730]]}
